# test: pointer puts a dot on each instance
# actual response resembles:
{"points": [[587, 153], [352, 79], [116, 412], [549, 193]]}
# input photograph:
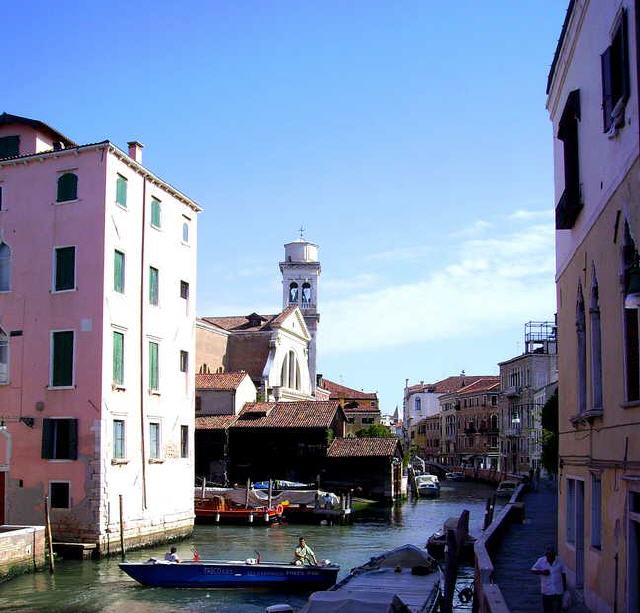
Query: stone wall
{"points": [[21, 550]]}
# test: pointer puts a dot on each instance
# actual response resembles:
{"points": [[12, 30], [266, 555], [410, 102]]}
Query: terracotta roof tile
{"points": [[299, 414], [220, 381], [486, 384], [445, 386], [214, 422], [363, 447], [342, 391]]}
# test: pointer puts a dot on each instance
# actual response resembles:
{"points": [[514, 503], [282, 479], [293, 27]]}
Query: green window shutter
{"points": [[65, 268], [62, 370], [118, 272], [47, 438], [154, 280], [153, 366], [118, 438], [155, 213], [121, 191], [67, 187], [118, 358]]}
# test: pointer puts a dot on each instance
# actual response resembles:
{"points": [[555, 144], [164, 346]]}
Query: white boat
{"points": [[428, 486], [506, 489], [406, 578]]}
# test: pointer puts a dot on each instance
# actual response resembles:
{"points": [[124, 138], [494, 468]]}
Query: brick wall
{"points": [[21, 550]]}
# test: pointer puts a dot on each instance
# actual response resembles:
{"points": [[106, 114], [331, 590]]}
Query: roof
{"points": [[214, 422], [556, 55], [487, 384], [7, 119], [445, 386], [342, 391], [299, 414], [360, 409], [250, 323], [364, 447], [225, 381]]}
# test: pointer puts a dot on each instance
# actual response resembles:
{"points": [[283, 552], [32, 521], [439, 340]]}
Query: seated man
{"points": [[304, 555], [171, 556]]}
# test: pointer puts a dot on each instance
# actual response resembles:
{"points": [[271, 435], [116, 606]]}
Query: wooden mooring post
{"points": [[453, 552], [413, 484], [488, 513], [47, 519], [246, 498], [270, 493], [122, 551]]}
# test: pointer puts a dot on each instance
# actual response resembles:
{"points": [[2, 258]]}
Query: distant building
{"points": [[361, 408], [97, 343], [272, 349], [593, 104], [522, 379], [223, 393]]}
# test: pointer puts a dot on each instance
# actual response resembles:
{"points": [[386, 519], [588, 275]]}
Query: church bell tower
{"points": [[300, 273]]}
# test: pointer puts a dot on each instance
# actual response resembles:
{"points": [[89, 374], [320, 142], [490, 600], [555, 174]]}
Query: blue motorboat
{"points": [[231, 574]]}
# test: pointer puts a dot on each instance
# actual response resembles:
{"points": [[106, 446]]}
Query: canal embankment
{"points": [[22, 550]]}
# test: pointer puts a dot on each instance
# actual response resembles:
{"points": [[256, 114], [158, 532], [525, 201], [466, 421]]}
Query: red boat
{"points": [[216, 509]]}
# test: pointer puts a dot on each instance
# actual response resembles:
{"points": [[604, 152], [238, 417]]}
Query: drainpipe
{"points": [[142, 383]]}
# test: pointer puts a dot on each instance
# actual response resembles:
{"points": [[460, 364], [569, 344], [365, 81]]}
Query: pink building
{"points": [[97, 339]]}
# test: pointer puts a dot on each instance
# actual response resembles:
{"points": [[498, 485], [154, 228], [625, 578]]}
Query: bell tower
{"points": [[300, 274]]}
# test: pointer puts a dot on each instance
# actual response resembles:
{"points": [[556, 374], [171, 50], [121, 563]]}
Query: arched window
{"points": [[418, 403], [4, 357], [581, 346], [293, 293], [67, 187], [290, 373], [5, 267], [185, 232], [596, 345], [306, 294], [631, 335]]}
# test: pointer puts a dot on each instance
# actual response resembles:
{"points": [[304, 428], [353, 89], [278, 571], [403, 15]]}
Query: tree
{"points": [[550, 437], [375, 431]]}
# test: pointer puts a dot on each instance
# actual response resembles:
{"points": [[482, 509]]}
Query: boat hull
{"points": [[231, 575]]}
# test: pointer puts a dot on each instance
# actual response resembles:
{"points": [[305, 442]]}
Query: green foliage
{"points": [[375, 431], [550, 446], [329, 435]]}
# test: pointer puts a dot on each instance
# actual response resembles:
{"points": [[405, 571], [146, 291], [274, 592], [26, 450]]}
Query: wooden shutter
{"points": [[118, 272], [121, 190], [155, 213], [47, 438], [626, 88], [153, 366], [73, 439], [67, 187], [607, 89], [62, 374], [118, 358], [65, 268], [153, 285]]}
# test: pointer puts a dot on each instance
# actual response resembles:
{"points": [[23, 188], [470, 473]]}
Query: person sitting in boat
{"points": [[172, 556], [304, 555]]}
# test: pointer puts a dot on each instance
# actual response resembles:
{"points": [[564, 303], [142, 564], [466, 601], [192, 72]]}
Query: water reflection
{"points": [[100, 586]]}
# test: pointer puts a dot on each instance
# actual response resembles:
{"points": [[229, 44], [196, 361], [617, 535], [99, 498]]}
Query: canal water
{"points": [[100, 586]]}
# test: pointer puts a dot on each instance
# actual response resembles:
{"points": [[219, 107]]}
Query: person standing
{"points": [[553, 580]]}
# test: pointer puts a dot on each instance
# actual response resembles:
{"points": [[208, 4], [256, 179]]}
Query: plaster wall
{"points": [[211, 349]]}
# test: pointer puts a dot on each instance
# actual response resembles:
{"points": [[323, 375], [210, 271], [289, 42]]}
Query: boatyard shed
{"points": [[370, 466]]}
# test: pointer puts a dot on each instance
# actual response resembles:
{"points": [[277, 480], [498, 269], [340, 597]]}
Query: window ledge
{"points": [[58, 202], [158, 228], [121, 206], [154, 393], [118, 388], [119, 461], [630, 404], [54, 388], [156, 461], [586, 417], [63, 291]]}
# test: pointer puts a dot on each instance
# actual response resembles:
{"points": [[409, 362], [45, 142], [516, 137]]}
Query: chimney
{"points": [[135, 150]]}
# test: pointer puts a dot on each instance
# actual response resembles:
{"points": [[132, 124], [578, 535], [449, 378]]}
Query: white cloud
{"points": [[528, 215], [360, 281], [497, 282], [477, 228]]}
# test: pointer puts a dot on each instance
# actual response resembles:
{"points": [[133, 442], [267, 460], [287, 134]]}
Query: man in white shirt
{"points": [[171, 556], [553, 580]]}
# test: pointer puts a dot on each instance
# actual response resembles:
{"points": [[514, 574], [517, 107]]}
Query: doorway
{"points": [[579, 534], [633, 567]]}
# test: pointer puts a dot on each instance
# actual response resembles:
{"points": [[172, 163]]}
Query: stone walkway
{"points": [[521, 546]]}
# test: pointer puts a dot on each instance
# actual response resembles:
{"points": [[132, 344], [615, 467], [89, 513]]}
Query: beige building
{"points": [[593, 104]]}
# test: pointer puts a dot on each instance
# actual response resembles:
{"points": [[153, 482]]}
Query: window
{"points": [[121, 191], [351, 420], [118, 439], [596, 511], [4, 358], [581, 344], [184, 361], [59, 439], [156, 219], [62, 358], [64, 269], [9, 146], [118, 358], [154, 440], [5, 267], [418, 404], [290, 373], [570, 205], [153, 285], [614, 63], [59, 495], [185, 229], [198, 404], [184, 441], [118, 271], [0, 197], [306, 294], [293, 292], [571, 511], [153, 366], [370, 420], [596, 347], [67, 187], [184, 290], [630, 261]]}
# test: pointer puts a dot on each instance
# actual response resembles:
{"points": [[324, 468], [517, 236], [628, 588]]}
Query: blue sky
{"points": [[410, 139]]}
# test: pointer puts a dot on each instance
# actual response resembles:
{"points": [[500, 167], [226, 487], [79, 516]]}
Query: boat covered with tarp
{"points": [[403, 580], [231, 574]]}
